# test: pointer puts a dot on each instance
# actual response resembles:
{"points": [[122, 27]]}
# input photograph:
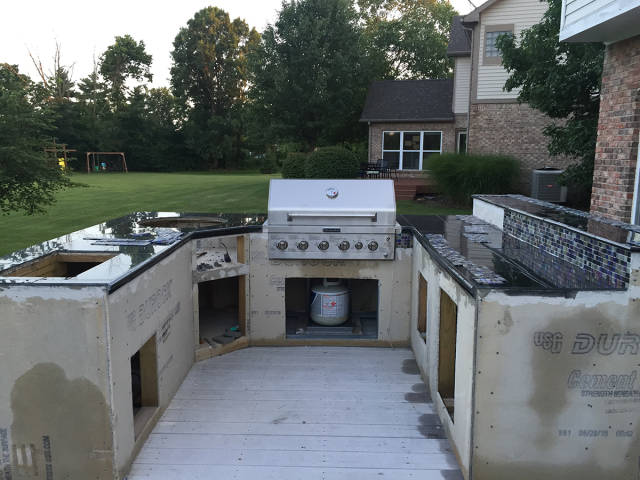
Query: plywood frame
{"points": [[53, 265], [447, 350], [422, 306]]}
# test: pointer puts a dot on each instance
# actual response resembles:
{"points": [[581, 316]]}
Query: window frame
{"points": [[490, 60], [420, 152]]}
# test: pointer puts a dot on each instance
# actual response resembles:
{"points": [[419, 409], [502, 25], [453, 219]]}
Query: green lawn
{"points": [[107, 196]]}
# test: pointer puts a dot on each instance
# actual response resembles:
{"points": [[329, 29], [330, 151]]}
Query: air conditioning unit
{"points": [[545, 185]]}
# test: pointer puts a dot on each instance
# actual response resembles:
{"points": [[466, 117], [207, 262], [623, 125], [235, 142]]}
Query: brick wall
{"points": [[376, 129], [513, 129], [618, 131]]}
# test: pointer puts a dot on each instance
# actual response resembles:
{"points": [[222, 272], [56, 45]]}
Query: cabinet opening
{"points": [[422, 307], [221, 311], [144, 385], [331, 308], [447, 351]]}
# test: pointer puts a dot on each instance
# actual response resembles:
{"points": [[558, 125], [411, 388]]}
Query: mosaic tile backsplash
{"points": [[605, 263], [404, 239]]}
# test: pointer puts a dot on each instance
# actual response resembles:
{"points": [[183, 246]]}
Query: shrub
{"points": [[332, 162], [294, 165], [269, 163], [361, 149], [459, 176]]}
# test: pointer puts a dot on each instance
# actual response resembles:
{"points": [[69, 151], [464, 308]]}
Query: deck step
{"points": [[406, 188]]}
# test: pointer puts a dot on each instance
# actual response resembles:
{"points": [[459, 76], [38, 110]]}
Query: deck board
{"points": [[327, 413]]}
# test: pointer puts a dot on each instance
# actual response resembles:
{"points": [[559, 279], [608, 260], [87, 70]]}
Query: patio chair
{"points": [[370, 170], [387, 171]]}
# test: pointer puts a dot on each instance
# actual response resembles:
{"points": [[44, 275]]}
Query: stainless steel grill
{"points": [[332, 219]]}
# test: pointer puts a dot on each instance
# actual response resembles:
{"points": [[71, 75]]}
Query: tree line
{"points": [[238, 98], [235, 95]]}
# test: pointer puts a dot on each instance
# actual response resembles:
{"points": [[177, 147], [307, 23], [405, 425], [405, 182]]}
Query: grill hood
{"points": [[366, 203]]}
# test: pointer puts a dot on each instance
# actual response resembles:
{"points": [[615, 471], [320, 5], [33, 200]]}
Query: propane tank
{"points": [[330, 303]]}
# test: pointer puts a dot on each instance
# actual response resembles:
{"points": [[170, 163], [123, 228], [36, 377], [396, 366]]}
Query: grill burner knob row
{"points": [[344, 245], [373, 245], [282, 245], [303, 245], [323, 245], [358, 245]]}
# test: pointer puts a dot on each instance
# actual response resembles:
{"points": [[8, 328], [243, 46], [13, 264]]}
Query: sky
{"points": [[85, 28]]}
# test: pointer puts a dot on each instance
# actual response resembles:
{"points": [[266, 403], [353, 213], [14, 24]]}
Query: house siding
{"points": [[576, 10], [522, 14], [599, 20], [462, 83], [618, 132]]}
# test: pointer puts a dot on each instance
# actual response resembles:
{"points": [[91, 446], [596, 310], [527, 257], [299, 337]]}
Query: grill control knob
{"points": [[344, 245], [282, 245], [303, 245], [358, 245], [373, 245], [323, 245]]}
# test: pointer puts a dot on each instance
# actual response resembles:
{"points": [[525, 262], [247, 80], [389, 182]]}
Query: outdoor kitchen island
{"points": [[530, 357]]}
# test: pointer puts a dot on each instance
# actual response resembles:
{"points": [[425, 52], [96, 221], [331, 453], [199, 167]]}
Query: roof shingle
{"points": [[409, 101], [459, 39]]}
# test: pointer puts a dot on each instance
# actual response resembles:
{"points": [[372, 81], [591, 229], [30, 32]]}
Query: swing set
{"points": [[100, 162]]}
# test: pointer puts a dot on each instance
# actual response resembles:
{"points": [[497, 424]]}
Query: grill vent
{"points": [[545, 185]]}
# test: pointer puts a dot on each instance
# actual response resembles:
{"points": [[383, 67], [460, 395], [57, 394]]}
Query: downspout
{"points": [[470, 30], [369, 149]]}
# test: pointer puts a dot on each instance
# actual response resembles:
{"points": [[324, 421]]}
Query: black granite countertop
{"points": [[477, 254], [138, 241]]}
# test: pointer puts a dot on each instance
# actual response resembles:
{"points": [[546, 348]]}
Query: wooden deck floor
{"points": [[300, 413]]}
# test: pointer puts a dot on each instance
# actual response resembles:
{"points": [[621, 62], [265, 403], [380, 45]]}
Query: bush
{"points": [[269, 163], [294, 165], [332, 162], [361, 149], [459, 176]]}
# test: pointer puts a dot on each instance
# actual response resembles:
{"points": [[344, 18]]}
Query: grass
{"points": [[107, 196]]}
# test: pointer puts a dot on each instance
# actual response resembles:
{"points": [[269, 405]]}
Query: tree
{"points": [[58, 93], [28, 180], [309, 79], [147, 131], [125, 59], [91, 113], [561, 80], [408, 38], [209, 79]]}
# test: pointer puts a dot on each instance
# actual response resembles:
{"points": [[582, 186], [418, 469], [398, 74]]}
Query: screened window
{"points": [[491, 50], [409, 150], [491, 53]]}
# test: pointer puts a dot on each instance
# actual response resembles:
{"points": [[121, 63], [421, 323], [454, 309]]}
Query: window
{"points": [[461, 142], [492, 32], [409, 150]]}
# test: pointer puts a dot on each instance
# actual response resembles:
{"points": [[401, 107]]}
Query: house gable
{"points": [[491, 18]]}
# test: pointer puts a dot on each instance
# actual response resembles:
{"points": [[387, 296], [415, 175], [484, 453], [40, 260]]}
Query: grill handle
{"points": [[372, 216]]}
